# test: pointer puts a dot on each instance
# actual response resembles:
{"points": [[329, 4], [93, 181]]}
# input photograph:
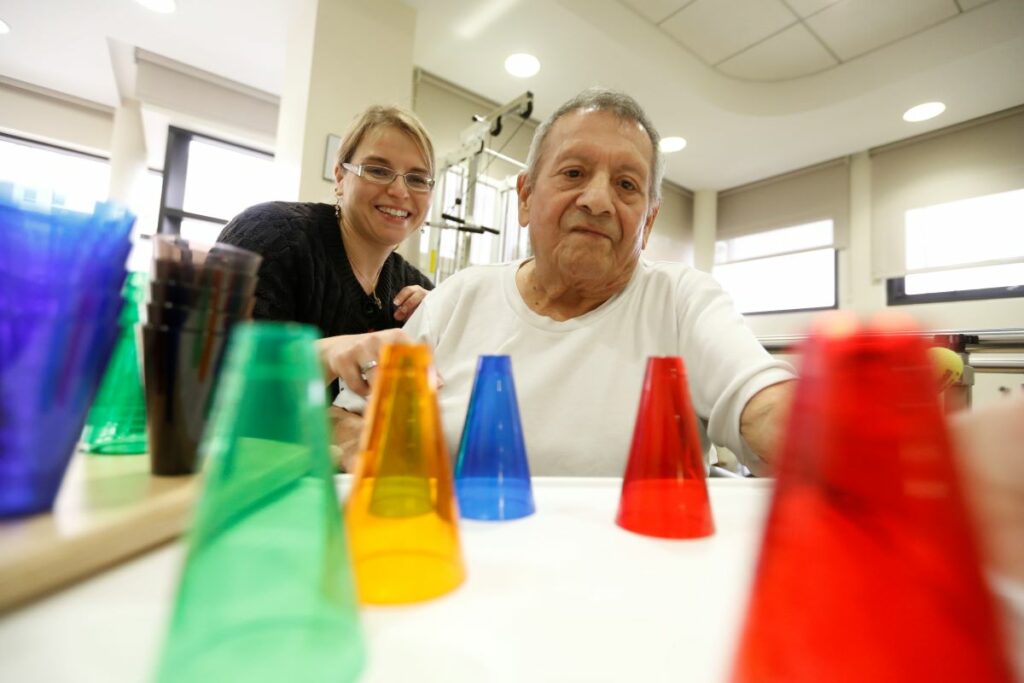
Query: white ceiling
{"points": [[758, 87], [774, 40]]}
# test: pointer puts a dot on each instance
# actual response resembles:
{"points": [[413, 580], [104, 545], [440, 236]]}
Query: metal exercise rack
{"points": [[459, 216]]}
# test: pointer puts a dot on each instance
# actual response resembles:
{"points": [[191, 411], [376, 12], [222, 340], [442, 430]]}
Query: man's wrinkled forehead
{"points": [[573, 134]]}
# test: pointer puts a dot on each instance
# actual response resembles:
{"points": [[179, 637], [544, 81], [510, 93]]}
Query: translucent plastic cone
{"points": [[402, 516], [267, 592], [868, 568], [664, 491], [492, 476], [116, 424]]}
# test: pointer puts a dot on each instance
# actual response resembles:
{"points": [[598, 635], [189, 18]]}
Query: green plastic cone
{"points": [[116, 424], [266, 593]]}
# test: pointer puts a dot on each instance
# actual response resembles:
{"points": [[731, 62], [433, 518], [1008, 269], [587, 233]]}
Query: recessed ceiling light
{"points": [[923, 112], [161, 6], [673, 144], [522, 65], [4, 28]]}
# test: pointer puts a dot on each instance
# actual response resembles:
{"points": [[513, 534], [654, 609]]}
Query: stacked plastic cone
{"points": [[196, 293], [60, 296]]}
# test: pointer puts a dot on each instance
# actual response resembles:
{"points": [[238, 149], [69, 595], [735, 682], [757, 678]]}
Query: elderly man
{"points": [[581, 317]]}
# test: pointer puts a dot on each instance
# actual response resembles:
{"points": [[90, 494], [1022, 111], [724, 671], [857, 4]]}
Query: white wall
{"points": [[672, 236], [324, 93]]}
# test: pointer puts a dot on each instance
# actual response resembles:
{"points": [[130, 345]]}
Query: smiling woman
{"points": [[335, 266]]}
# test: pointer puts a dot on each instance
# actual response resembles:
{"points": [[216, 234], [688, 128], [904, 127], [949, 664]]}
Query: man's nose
{"points": [[596, 197]]}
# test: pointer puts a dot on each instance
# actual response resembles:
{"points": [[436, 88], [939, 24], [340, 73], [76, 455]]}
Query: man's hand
{"points": [[346, 429], [990, 449], [345, 356], [990, 453], [763, 420], [408, 300]]}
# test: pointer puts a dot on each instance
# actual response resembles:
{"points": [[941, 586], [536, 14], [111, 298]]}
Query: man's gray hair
{"points": [[615, 102]]}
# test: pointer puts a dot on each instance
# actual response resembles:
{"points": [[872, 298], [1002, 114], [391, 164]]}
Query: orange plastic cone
{"points": [[401, 514]]}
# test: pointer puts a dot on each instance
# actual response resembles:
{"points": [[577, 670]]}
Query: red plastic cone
{"points": [[869, 570], [664, 492]]}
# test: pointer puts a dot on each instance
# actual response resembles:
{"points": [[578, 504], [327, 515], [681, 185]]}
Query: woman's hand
{"points": [[347, 429], [408, 300], [350, 356]]}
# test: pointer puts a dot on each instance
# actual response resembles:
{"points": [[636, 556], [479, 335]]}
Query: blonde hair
{"points": [[376, 116]]}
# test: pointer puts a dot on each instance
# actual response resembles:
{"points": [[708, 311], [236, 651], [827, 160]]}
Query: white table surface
{"points": [[564, 595]]}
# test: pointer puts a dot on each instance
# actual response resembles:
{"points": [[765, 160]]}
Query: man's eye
{"points": [[572, 173], [628, 185]]}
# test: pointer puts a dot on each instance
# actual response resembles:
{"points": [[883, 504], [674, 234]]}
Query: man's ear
{"points": [[524, 191], [649, 223]]}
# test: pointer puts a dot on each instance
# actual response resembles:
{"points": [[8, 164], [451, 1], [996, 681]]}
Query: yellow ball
{"points": [[948, 366]]}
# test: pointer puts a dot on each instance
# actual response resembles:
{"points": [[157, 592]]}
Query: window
{"points": [[490, 210], [967, 249], [146, 205], [53, 175], [208, 181], [515, 238], [483, 246], [60, 177], [788, 269], [445, 239]]}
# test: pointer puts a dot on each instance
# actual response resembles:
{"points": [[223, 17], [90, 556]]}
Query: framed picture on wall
{"points": [[332, 148]]}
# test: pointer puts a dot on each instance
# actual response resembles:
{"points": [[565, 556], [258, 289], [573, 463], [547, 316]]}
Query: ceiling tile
{"points": [[853, 27], [717, 29], [790, 54], [806, 8], [656, 10]]}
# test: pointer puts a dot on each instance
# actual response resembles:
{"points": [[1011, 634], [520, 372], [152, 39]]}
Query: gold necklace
{"points": [[358, 273], [363, 280]]}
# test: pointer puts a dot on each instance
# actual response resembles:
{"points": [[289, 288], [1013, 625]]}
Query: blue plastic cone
{"points": [[492, 476]]}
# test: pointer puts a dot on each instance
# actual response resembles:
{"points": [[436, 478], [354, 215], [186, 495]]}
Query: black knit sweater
{"points": [[305, 275]]}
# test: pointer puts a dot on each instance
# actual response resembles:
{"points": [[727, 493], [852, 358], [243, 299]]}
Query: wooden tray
{"points": [[109, 509]]}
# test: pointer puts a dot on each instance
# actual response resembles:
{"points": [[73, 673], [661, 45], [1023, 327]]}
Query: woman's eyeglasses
{"points": [[382, 175]]}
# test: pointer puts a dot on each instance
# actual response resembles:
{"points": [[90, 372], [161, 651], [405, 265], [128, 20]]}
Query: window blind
{"points": [[981, 157], [816, 193]]}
